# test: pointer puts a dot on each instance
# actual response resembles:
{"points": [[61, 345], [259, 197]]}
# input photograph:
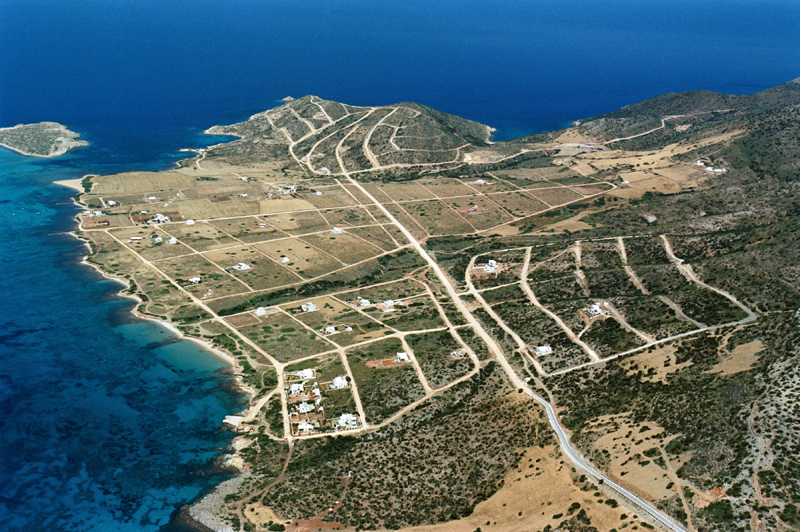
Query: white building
{"points": [[194, 280], [339, 383], [242, 267], [172, 240], [111, 203], [307, 373], [543, 350], [305, 427], [595, 309], [261, 311], [135, 239], [189, 222], [401, 358], [158, 239], [337, 231], [363, 303], [304, 408], [295, 389], [389, 304], [159, 219], [330, 329], [284, 259], [348, 421], [308, 307]]}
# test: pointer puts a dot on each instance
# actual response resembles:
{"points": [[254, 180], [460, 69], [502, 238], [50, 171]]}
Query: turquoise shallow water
{"points": [[109, 423]]}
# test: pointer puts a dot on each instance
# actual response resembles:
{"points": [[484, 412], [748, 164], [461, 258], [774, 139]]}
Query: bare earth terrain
{"points": [[441, 333]]}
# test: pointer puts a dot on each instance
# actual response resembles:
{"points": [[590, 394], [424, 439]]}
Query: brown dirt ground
{"points": [[533, 493], [741, 358]]}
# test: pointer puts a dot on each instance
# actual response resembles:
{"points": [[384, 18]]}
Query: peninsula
{"points": [[45, 139], [590, 329]]}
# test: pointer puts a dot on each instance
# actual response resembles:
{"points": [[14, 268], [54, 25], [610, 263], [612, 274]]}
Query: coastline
{"points": [[201, 515], [65, 141]]}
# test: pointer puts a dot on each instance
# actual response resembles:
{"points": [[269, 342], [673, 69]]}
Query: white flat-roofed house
{"points": [[135, 239], [261, 311], [285, 259], [158, 240], [308, 307], [347, 421], [172, 240], [304, 408], [401, 357], [194, 280], [295, 389], [363, 303], [595, 309], [330, 329], [543, 350], [189, 222], [242, 267], [337, 231], [305, 427], [339, 383], [307, 373]]}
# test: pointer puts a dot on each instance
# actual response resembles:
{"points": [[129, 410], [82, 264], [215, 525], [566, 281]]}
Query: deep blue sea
{"points": [[110, 423]]}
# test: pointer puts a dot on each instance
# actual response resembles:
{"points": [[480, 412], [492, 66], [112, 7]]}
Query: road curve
{"points": [[567, 448]]}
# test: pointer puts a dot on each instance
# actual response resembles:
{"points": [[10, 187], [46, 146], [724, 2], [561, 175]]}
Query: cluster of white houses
{"points": [[306, 411]]}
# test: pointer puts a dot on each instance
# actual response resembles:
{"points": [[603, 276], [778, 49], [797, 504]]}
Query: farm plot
{"points": [[520, 204], [415, 315], [347, 248], [446, 188], [556, 195], [299, 223], [565, 354], [479, 211], [521, 177], [608, 337], [248, 229], [263, 273], [590, 190], [302, 257], [154, 244], [384, 391], [395, 291], [141, 182], [330, 197], [206, 209], [437, 218], [351, 327], [200, 236], [374, 235], [330, 312], [347, 217], [407, 221], [212, 278], [652, 316], [433, 352], [489, 184], [405, 191], [284, 338]]}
